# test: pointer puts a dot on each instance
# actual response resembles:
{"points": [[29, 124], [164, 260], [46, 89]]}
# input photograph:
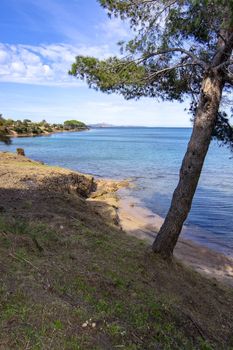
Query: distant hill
{"points": [[105, 125], [101, 125]]}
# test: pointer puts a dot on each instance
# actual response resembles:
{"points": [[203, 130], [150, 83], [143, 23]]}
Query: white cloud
{"points": [[43, 64], [115, 28], [18, 67], [112, 108], [3, 56]]}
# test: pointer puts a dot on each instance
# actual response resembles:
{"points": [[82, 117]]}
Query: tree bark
{"points": [[190, 171]]}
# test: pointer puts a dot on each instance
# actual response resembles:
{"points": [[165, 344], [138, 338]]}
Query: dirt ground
{"points": [[70, 278]]}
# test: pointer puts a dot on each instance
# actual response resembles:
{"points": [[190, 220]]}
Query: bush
{"points": [[74, 124]]}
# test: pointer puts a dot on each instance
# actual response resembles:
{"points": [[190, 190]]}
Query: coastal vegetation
{"points": [[10, 127], [73, 124], [72, 279], [181, 49]]}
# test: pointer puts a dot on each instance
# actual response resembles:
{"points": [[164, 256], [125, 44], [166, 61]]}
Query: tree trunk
{"points": [[190, 171]]}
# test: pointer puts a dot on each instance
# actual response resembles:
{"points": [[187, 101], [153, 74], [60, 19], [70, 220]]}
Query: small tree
{"points": [[2, 120], [27, 121], [9, 122], [182, 49], [74, 124]]}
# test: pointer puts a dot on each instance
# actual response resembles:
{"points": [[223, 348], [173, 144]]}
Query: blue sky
{"points": [[38, 43]]}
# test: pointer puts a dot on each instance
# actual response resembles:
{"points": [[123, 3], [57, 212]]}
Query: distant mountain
{"points": [[101, 125], [106, 125]]}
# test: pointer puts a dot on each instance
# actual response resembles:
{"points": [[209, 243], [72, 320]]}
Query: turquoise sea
{"points": [[152, 158]]}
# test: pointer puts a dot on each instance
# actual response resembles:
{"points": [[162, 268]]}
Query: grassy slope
{"points": [[61, 265]]}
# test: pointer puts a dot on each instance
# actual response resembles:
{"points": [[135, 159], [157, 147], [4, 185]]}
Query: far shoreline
{"points": [[17, 135]]}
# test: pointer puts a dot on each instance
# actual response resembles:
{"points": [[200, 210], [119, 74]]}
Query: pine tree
{"points": [[181, 49]]}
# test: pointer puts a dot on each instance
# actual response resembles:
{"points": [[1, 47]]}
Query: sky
{"points": [[38, 43]]}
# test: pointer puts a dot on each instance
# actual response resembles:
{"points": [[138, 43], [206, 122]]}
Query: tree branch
{"points": [[168, 69], [223, 52], [225, 64], [229, 79], [196, 60], [167, 6]]}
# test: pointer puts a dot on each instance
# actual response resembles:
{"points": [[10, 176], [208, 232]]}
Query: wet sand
{"points": [[144, 224]]}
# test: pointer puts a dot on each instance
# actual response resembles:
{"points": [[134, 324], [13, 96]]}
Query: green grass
{"points": [[85, 276], [39, 233]]}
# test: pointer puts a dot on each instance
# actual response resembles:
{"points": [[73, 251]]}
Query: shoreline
{"points": [[144, 224], [16, 135], [74, 273], [140, 222], [123, 212]]}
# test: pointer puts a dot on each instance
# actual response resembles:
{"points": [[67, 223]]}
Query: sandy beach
{"points": [[144, 224], [128, 213], [108, 199]]}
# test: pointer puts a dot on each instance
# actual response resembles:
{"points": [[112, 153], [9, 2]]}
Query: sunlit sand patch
{"points": [[144, 224]]}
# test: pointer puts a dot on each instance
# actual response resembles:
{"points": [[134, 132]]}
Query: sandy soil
{"points": [[144, 224]]}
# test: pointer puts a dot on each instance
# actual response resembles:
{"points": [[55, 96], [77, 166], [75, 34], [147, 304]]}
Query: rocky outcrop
{"points": [[21, 173], [73, 182], [20, 152]]}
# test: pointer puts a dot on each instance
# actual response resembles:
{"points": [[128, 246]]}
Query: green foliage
{"points": [[223, 130], [74, 124], [111, 75], [27, 127], [174, 45], [57, 324], [187, 24]]}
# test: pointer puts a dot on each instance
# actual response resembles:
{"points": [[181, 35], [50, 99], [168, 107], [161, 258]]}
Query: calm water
{"points": [[152, 157]]}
